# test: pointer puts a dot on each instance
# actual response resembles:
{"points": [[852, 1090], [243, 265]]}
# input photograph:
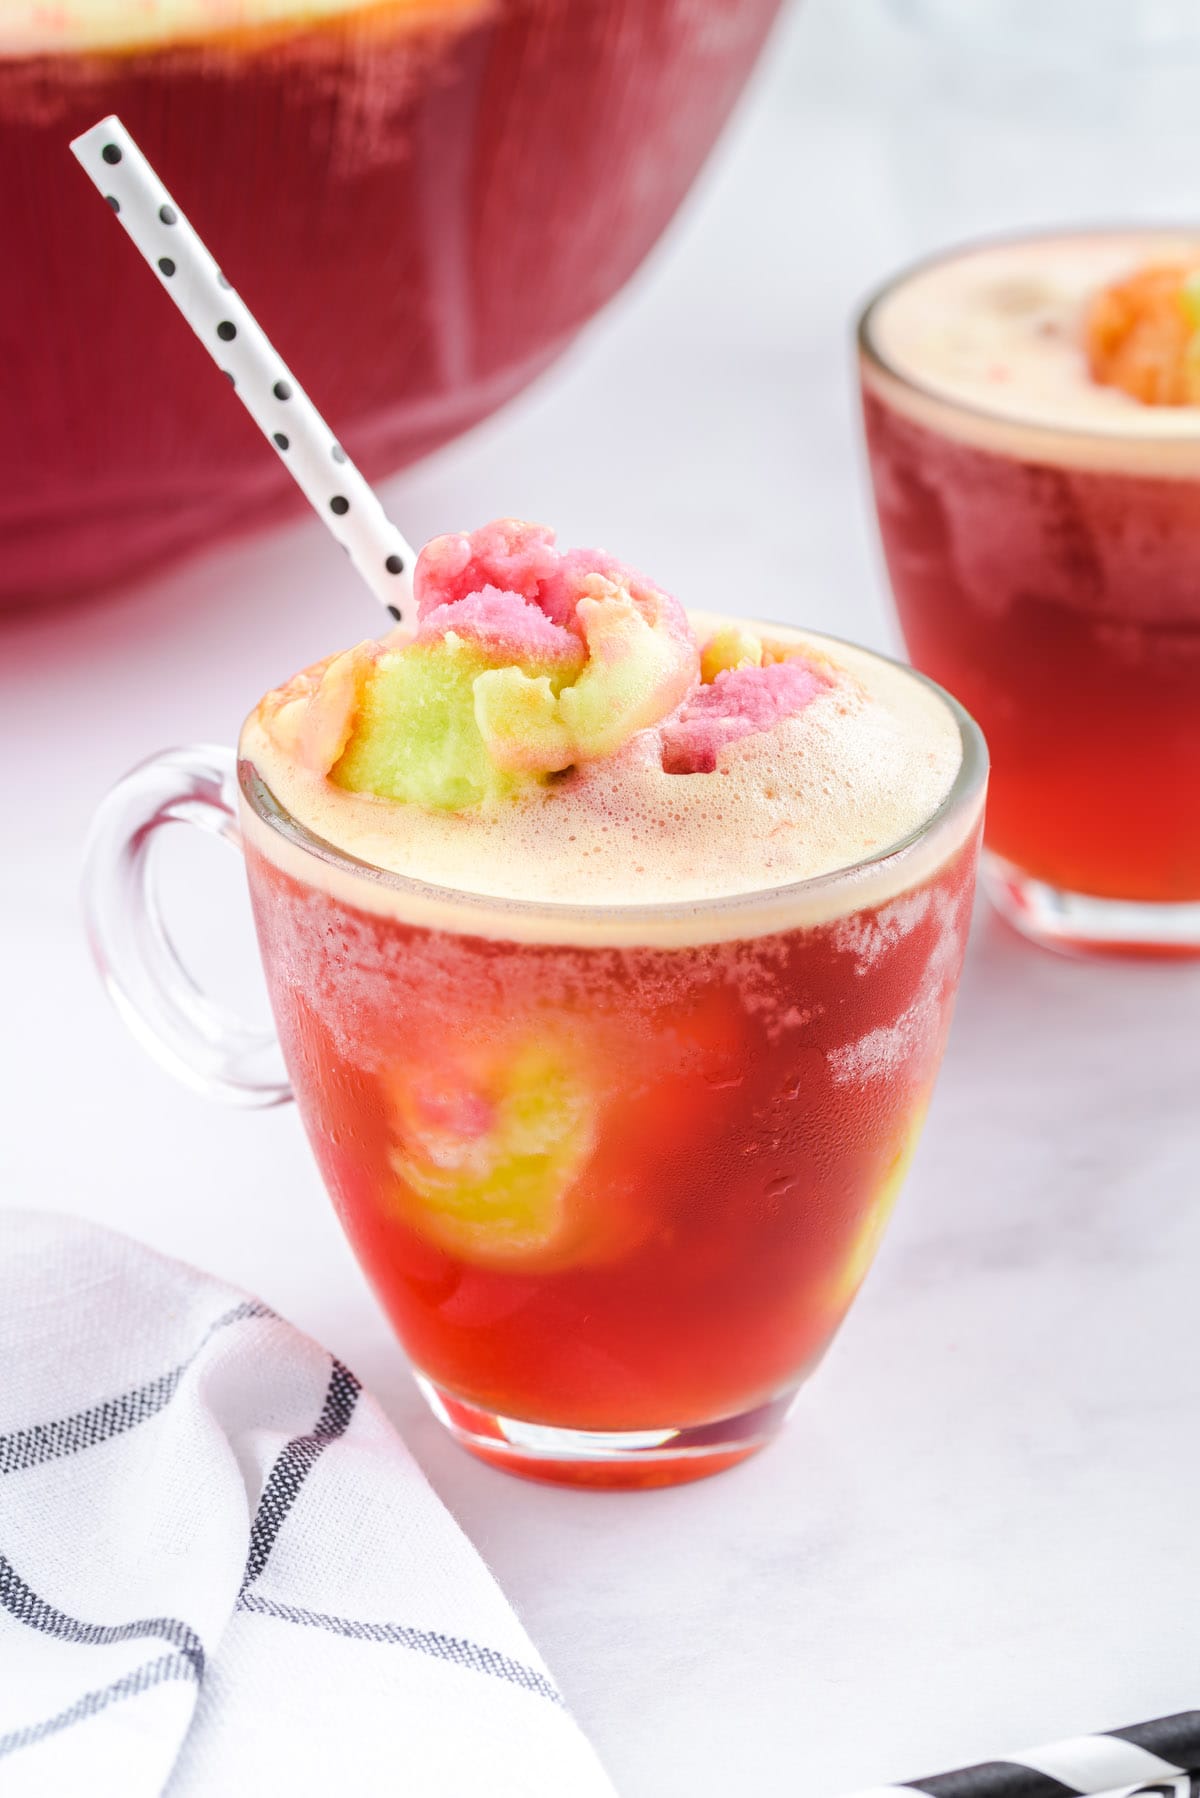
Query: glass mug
{"points": [[615, 1172], [1051, 576]]}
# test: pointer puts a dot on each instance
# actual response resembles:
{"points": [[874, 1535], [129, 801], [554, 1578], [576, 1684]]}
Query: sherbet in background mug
{"points": [[612, 956]]}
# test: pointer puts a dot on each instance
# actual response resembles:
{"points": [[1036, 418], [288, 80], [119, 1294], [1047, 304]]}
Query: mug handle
{"points": [[189, 1034]]}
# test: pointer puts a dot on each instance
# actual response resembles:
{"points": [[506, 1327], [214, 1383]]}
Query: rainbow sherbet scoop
{"points": [[527, 661]]}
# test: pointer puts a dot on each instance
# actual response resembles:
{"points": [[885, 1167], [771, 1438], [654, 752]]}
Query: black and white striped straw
{"points": [[1159, 1758], [268, 389]]}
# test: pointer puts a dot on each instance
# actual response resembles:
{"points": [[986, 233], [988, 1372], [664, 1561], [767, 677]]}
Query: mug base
{"points": [[606, 1460], [1082, 924]]}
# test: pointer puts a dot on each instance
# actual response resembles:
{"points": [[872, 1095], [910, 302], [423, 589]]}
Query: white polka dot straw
{"points": [[237, 344]]}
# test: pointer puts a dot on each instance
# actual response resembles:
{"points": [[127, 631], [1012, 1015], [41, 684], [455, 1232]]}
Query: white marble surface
{"points": [[980, 1531]]}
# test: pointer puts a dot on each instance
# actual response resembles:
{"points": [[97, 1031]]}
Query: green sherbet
{"points": [[415, 737]]}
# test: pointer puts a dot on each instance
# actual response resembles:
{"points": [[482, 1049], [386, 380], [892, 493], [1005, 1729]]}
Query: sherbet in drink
{"points": [[612, 952]]}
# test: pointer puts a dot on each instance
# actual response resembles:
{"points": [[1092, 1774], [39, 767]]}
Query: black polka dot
{"points": [[396, 613], [395, 565], [229, 377], [166, 265], [111, 153], [168, 215], [227, 330], [280, 440], [113, 202], [337, 452], [221, 281], [339, 504], [282, 391]]}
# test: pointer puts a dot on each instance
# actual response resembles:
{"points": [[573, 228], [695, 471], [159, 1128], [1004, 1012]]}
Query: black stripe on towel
{"points": [[294, 1465], [422, 1641], [25, 1605], [22, 1449], [994, 1779], [1175, 1739], [142, 1679]]}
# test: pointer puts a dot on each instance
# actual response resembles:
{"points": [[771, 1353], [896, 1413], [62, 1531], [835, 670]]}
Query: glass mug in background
{"points": [[1050, 575], [615, 1172]]}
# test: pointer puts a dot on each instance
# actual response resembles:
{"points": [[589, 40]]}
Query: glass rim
{"points": [[873, 354], [967, 786]]}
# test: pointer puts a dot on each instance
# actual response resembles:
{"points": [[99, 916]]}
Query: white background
{"points": [[980, 1531]]}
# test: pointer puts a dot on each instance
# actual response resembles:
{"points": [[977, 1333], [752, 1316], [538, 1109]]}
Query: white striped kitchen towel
{"points": [[221, 1572]]}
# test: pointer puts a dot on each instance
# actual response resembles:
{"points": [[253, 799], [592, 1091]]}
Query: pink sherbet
{"points": [[512, 627], [739, 703], [519, 558], [444, 1105], [509, 553]]}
